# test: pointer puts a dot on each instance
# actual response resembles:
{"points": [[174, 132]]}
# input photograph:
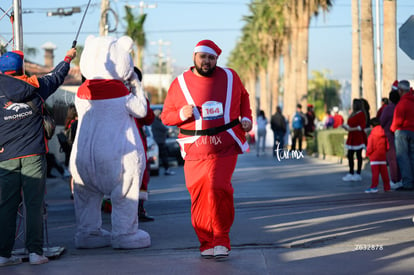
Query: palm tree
{"points": [[299, 13], [356, 60], [367, 51], [389, 66], [135, 30], [289, 80], [274, 15], [243, 60], [278, 30]]}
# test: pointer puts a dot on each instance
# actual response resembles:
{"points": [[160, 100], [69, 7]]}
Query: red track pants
{"points": [[376, 171], [212, 206]]}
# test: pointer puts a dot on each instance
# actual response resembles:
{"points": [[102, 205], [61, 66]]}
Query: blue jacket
{"points": [[21, 128]]}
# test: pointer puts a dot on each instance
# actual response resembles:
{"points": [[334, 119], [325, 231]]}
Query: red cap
{"points": [[207, 46], [20, 53], [395, 85]]}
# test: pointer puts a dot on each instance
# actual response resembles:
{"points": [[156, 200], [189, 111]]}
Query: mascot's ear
{"points": [[126, 43], [88, 39]]}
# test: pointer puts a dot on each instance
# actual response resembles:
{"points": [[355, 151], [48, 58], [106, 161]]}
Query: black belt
{"points": [[210, 131]]}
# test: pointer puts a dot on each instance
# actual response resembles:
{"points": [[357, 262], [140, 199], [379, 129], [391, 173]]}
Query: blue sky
{"points": [[183, 23]]}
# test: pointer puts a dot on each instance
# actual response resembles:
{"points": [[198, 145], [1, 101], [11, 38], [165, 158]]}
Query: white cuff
{"points": [[245, 118], [182, 115]]}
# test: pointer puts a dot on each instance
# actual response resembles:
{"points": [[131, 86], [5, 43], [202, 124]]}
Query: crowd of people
{"points": [[387, 137], [388, 145]]}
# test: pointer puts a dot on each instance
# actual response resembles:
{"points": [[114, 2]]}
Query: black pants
{"points": [[297, 136], [351, 160], [163, 154], [52, 163]]}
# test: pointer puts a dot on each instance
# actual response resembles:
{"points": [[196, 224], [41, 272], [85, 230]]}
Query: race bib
{"points": [[212, 110]]}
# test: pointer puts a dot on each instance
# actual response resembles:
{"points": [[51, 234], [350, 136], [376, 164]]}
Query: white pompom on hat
{"points": [[207, 46]]}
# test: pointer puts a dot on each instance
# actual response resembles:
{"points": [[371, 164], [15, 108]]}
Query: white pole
{"points": [[378, 42], [18, 25]]}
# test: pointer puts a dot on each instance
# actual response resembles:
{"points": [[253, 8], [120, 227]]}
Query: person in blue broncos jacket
{"points": [[22, 152]]}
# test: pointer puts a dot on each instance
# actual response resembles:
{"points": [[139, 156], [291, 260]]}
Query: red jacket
{"points": [[377, 144], [204, 91], [404, 114]]}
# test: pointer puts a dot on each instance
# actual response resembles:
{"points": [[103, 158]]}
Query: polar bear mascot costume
{"points": [[108, 157]]}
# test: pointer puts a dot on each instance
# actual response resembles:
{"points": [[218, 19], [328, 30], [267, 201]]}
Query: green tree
{"points": [[30, 51], [79, 50], [2, 49], [135, 30], [323, 92]]}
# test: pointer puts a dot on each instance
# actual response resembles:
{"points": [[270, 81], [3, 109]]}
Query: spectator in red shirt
{"points": [[403, 127], [338, 119]]}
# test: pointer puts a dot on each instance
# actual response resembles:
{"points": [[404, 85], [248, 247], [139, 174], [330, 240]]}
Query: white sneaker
{"points": [[37, 259], [208, 253], [357, 177], [348, 177], [66, 173], [371, 190], [169, 173], [221, 252], [395, 185], [10, 261]]}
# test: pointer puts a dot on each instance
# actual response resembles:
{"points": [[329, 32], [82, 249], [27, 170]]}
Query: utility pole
{"points": [[378, 52], [160, 57], [18, 25], [103, 23]]}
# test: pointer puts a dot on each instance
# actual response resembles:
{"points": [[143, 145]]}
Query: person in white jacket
{"points": [[261, 133]]}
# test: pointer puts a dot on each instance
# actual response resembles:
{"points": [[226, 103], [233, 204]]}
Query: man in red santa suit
{"points": [[211, 107]]}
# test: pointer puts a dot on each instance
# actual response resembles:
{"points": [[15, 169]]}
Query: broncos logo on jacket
{"points": [[16, 106]]}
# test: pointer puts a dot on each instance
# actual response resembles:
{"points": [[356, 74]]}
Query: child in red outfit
{"points": [[376, 152]]}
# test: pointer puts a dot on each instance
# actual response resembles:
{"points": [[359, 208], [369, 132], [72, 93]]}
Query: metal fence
{"points": [[11, 20]]}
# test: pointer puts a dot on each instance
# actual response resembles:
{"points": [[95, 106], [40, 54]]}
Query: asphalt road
{"points": [[293, 216]]}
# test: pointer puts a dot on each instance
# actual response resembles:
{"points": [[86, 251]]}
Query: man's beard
{"points": [[205, 73]]}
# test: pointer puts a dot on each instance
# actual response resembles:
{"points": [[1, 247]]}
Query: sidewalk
{"points": [[293, 216]]}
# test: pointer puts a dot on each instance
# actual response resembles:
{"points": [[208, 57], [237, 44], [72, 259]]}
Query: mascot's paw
{"points": [[95, 239], [140, 239]]}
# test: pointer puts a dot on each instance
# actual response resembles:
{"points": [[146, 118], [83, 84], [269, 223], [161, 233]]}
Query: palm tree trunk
{"points": [[389, 66], [367, 51], [275, 83], [251, 89], [271, 83], [139, 57], [263, 89], [302, 53], [356, 52], [289, 96]]}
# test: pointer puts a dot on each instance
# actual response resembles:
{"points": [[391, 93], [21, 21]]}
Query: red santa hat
{"points": [[394, 86], [207, 46]]}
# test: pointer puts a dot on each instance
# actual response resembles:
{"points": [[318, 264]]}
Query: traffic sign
{"points": [[406, 37]]}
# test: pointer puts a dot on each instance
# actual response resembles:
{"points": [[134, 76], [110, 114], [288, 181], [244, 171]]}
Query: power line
{"points": [[176, 31]]}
